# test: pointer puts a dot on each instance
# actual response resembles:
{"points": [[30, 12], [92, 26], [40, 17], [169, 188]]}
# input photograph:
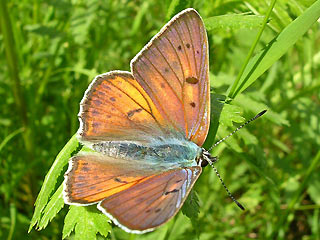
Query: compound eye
{"points": [[204, 163]]}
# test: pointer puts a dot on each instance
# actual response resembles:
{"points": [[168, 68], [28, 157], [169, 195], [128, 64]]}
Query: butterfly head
{"points": [[205, 158]]}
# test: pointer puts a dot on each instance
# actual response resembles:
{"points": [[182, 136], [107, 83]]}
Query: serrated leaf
{"points": [[70, 221], [248, 103], [99, 221], [50, 180], [232, 142], [230, 114], [190, 207], [233, 22], [55, 204], [247, 137], [87, 222]]}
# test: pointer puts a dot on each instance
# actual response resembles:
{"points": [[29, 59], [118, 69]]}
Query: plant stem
{"points": [[12, 62], [232, 93], [284, 221]]}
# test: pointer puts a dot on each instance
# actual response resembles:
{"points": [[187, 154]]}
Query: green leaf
{"points": [[50, 180], [247, 137], [232, 142], [250, 104], [230, 114], [70, 221], [217, 103], [55, 204], [314, 188], [190, 207], [277, 48], [233, 22], [87, 222]]}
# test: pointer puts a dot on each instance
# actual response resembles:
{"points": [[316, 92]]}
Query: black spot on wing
{"points": [[192, 80], [132, 112], [81, 177], [85, 169], [192, 104], [95, 124], [119, 180], [173, 191], [97, 102]]}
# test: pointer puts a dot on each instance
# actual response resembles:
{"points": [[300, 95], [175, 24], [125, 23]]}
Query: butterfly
{"points": [[146, 128]]}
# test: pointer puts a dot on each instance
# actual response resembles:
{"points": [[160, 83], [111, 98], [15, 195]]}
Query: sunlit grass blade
{"points": [[277, 48], [245, 64], [233, 22]]}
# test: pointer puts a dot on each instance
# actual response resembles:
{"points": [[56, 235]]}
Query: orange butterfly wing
{"points": [[139, 199], [153, 202], [93, 177], [173, 69], [115, 107], [168, 91]]}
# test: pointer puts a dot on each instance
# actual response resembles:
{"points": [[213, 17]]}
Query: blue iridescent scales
{"points": [[146, 128]]}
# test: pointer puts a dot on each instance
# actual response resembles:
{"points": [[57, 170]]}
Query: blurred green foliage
{"points": [[271, 166]]}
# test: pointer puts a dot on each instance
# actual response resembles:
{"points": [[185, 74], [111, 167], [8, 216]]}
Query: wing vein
{"points": [[168, 205], [163, 78], [169, 65], [152, 201], [160, 105], [150, 113], [183, 82], [105, 190], [192, 44], [143, 199]]}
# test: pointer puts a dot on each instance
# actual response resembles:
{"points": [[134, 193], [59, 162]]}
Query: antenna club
{"points": [[260, 114]]}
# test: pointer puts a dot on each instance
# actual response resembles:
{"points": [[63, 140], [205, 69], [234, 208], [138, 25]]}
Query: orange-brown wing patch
{"points": [[92, 178], [116, 107], [173, 70], [153, 202]]}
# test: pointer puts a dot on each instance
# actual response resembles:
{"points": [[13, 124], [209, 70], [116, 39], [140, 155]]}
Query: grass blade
{"points": [[276, 48]]}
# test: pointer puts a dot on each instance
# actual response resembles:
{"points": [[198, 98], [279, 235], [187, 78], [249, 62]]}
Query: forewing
{"points": [[150, 203], [94, 177], [173, 70], [115, 107]]}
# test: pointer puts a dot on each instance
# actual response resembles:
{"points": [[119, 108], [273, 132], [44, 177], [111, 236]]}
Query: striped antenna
{"points": [[225, 187], [237, 129], [211, 160]]}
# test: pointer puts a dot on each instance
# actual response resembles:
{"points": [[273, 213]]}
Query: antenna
{"points": [[211, 160], [206, 158], [237, 129]]}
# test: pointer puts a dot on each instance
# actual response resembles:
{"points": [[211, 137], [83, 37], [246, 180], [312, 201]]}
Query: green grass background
{"points": [[51, 50]]}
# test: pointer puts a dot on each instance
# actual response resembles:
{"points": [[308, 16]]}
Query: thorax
{"points": [[172, 152]]}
